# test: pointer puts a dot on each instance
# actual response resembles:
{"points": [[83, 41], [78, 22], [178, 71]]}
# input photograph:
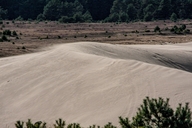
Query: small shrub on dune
{"points": [[29, 124], [187, 31], [23, 47], [157, 29], [14, 33], [74, 125], [1, 40], [147, 30], [109, 125], [4, 38], [59, 123], [179, 30], [85, 36], [7, 32], [19, 124]]}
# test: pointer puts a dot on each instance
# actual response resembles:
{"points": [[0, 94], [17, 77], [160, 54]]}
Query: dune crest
{"points": [[92, 83]]}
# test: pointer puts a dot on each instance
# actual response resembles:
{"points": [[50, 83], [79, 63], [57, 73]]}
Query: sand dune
{"points": [[92, 83]]}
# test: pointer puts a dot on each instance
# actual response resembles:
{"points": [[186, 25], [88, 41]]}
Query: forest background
{"points": [[72, 11]]}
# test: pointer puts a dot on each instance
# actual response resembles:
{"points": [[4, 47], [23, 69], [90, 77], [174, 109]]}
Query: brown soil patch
{"points": [[35, 35]]}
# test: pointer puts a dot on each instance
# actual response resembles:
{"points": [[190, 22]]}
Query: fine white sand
{"points": [[92, 83]]}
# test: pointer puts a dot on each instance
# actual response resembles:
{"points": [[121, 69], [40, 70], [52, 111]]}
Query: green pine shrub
{"points": [[153, 113], [85, 36], [23, 47], [19, 124], [59, 123], [4, 38], [179, 30], [157, 113], [74, 125], [157, 29], [7, 32], [14, 33]]}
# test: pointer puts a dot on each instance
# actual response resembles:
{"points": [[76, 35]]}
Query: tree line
{"points": [[96, 10]]}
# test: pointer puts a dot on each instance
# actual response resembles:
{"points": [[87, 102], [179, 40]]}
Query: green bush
{"points": [[59, 123], [85, 36], [157, 113], [4, 38], [23, 47], [153, 113], [19, 124], [147, 30], [7, 32], [74, 125], [14, 33], [187, 31], [179, 30], [109, 125], [157, 29], [29, 124]]}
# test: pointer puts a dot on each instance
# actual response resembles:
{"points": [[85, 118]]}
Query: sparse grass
{"points": [[95, 31]]}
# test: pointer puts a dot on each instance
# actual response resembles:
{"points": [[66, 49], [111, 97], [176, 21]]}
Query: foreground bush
{"points": [[153, 113]]}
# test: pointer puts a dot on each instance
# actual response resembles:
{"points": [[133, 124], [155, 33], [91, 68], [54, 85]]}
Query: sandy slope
{"points": [[92, 83]]}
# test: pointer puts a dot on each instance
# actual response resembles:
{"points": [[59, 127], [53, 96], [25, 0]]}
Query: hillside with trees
{"points": [[96, 10]]}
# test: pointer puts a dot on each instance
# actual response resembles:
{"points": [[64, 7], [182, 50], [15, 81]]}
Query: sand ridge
{"points": [[92, 83]]}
